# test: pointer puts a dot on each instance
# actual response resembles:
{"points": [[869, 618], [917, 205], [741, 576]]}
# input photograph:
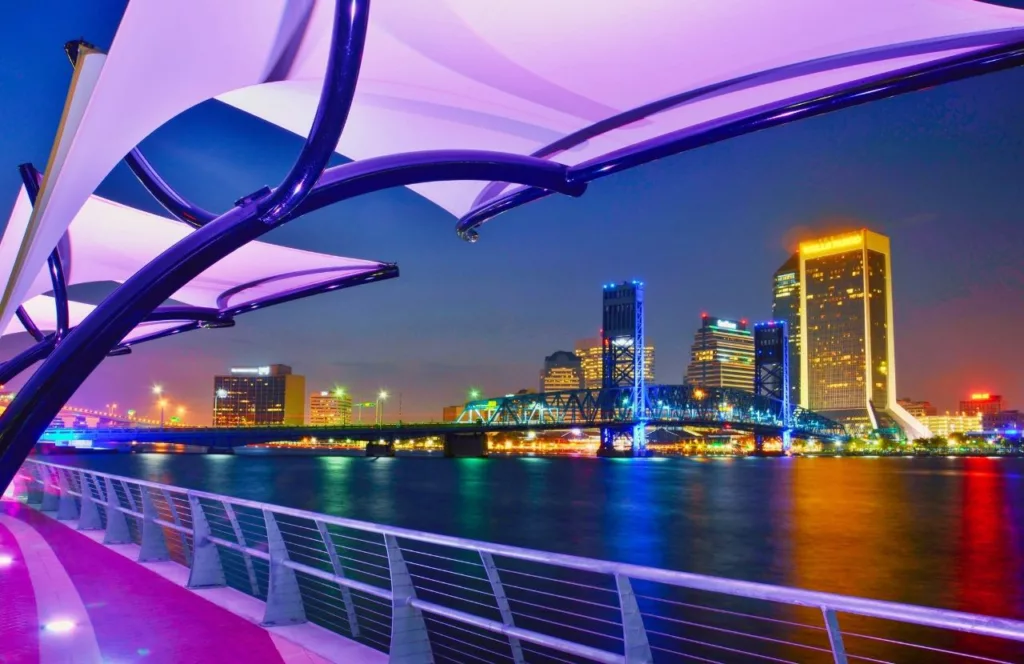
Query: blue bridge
{"points": [[667, 406]]}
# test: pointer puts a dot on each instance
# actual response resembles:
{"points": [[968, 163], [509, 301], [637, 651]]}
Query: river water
{"points": [[933, 531]]}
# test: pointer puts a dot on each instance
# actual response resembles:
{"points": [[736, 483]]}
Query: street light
{"points": [[474, 394], [220, 393], [163, 404], [381, 397], [181, 413], [158, 390]]}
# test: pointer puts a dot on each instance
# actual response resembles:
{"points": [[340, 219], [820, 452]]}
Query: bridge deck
{"points": [[124, 611]]}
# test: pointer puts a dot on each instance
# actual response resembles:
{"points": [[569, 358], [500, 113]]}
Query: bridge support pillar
{"points": [[378, 448], [619, 442], [459, 445]]}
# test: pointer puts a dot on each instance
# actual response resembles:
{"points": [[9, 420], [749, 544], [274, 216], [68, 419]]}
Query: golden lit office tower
{"points": [[590, 353], [722, 355], [847, 363], [257, 396], [562, 371], [330, 408]]}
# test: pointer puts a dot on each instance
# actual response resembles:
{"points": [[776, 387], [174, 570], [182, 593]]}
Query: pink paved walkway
{"points": [[122, 611]]}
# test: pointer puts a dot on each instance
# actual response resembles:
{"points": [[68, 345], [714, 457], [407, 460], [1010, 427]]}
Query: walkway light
{"points": [[60, 626]]}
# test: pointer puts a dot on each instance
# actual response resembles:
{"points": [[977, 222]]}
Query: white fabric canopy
{"points": [[507, 75], [110, 242]]}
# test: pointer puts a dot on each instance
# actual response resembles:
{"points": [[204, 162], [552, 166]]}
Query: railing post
{"points": [[34, 495], [206, 570], [67, 508], [177, 521], [154, 545], [90, 516], [410, 643], [284, 601], [637, 649], [503, 607], [240, 538], [339, 571], [835, 637], [117, 525], [50, 500]]}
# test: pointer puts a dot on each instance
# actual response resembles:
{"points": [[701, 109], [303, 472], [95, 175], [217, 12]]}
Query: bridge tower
{"points": [[622, 342], [771, 370]]}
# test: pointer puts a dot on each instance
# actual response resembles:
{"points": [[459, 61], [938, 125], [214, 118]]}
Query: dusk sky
{"points": [[938, 171]]}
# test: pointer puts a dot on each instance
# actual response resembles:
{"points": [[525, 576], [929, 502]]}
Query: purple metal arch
{"points": [[351, 18], [32, 180], [385, 271], [29, 324], [908, 79], [172, 201], [764, 77]]}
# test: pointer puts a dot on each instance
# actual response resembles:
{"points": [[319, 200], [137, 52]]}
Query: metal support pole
{"points": [[173, 509], [206, 570], [50, 496], [34, 494], [154, 543], [90, 514], [339, 571], [637, 648], [835, 636], [240, 538], [67, 508], [117, 526], [284, 600], [410, 643], [503, 607]]}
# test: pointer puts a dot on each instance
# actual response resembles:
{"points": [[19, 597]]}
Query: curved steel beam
{"points": [[29, 324], [351, 18], [386, 271], [360, 177], [26, 358], [985, 38], [32, 179], [172, 201], [908, 79]]}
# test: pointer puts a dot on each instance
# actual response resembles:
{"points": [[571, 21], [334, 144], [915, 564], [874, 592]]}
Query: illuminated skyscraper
{"points": [[847, 366], [982, 403], [722, 355], [330, 408], [259, 396], [562, 371], [786, 307], [590, 353]]}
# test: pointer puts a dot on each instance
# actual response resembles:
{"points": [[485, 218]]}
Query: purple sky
{"points": [[937, 171]]}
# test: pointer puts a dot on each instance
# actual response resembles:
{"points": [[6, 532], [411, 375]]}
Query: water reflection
{"points": [[942, 532]]}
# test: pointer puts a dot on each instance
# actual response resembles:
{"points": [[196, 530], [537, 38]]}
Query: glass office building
{"points": [[259, 396]]}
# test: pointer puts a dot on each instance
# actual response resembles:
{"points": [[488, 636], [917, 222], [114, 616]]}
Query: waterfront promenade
{"points": [[68, 598]]}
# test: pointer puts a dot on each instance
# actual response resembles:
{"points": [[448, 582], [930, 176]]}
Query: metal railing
{"points": [[431, 598]]}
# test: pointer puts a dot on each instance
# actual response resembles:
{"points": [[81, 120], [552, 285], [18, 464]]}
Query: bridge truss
{"points": [[665, 405]]}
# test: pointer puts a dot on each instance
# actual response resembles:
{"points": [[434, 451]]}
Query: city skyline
{"points": [[936, 171]]}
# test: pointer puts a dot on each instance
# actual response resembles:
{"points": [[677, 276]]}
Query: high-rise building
{"points": [[330, 408], [722, 355], [590, 351], [259, 396], [982, 403], [771, 359], [918, 409], [944, 425], [847, 347], [1004, 420], [562, 371], [786, 307]]}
